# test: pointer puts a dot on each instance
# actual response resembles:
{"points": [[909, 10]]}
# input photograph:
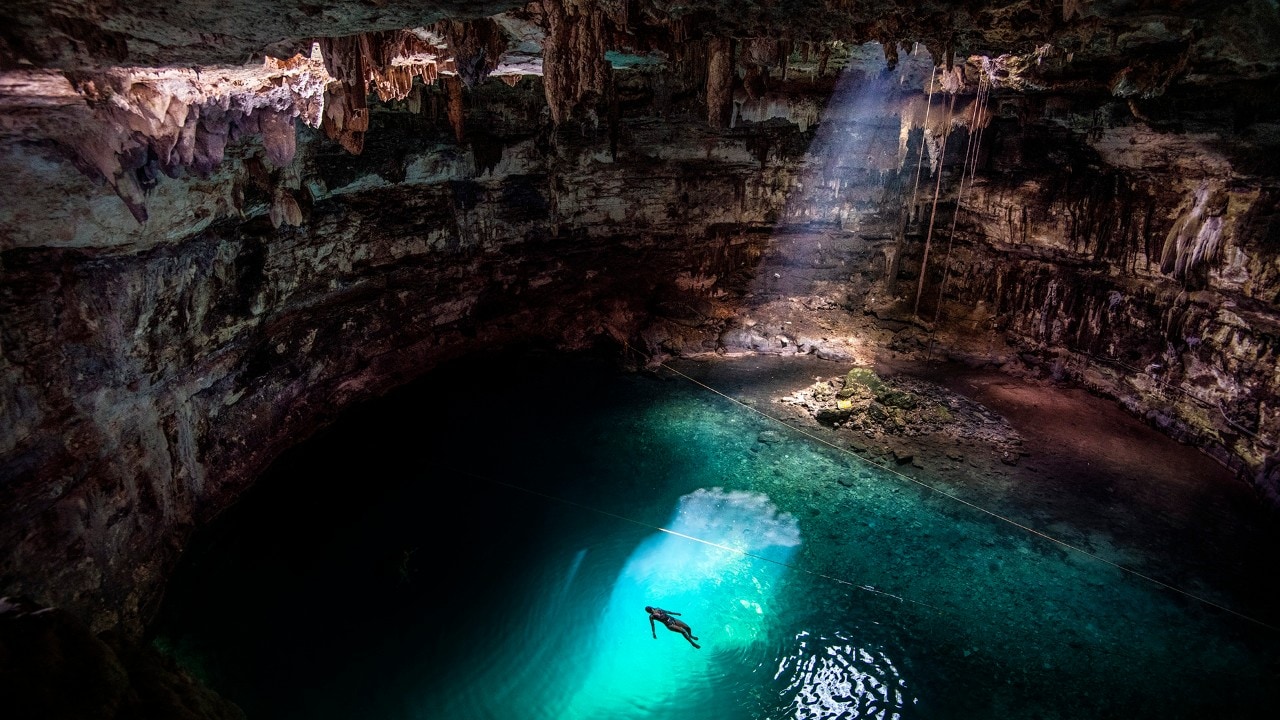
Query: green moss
{"points": [[866, 378], [860, 378]]}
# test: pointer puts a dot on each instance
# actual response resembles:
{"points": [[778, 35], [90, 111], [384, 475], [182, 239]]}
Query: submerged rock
{"points": [[769, 437]]}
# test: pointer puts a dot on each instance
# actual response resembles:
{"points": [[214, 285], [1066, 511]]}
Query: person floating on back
{"points": [[674, 625]]}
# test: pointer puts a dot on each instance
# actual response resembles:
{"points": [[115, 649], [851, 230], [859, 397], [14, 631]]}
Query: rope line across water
{"points": [[651, 526], [1185, 593]]}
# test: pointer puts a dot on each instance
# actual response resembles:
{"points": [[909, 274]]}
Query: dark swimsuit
{"points": [[670, 622]]}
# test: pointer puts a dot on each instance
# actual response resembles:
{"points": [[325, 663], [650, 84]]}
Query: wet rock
{"points": [[833, 415], [834, 353], [144, 384], [769, 437]]}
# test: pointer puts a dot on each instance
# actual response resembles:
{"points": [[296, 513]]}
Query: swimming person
{"points": [[674, 625]]}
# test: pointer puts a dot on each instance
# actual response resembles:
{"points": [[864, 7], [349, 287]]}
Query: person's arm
{"points": [[671, 613], [652, 628]]}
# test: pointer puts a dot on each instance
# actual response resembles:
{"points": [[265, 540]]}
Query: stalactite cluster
{"points": [[720, 76], [384, 63], [128, 127]]}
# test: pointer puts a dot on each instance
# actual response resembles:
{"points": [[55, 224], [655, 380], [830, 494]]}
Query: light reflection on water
{"points": [[721, 562], [719, 565], [831, 677]]}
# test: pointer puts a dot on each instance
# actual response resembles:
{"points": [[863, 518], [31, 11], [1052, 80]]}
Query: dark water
{"points": [[483, 543]]}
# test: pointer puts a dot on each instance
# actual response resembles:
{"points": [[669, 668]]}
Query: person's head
{"points": [[648, 609]]}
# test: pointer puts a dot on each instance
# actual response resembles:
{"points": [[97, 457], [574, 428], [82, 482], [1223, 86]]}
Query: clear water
{"points": [[482, 545]]}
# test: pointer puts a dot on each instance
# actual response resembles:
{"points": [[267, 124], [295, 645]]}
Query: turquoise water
{"points": [[483, 543]]}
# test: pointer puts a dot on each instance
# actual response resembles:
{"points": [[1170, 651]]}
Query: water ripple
{"points": [[831, 678]]}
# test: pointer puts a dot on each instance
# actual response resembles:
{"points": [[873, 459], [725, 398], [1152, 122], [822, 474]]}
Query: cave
{"points": [[388, 358]]}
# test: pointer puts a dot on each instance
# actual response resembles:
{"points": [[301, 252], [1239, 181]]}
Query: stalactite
{"points": [[574, 68], [890, 52], [346, 110], [980, 122], [476, 46], [1196, 238], [394, 58], [755, 81], [284, 209], [758, 57], [135, 124], [907, 214], [454, 107], [385, 63], [719, 89], [920, 159], [279, 138]]}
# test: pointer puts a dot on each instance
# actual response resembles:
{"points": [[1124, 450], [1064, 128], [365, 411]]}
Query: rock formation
{"points": [[222, 225]]}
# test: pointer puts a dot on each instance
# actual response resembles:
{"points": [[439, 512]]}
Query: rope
{"points": [[832, 578], [718, 546], [977, 125], [971, 505], [942, 154], [970, 160], [923, 136]]}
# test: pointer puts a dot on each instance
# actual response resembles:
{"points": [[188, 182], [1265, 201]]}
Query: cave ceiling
{"points": [[112, 86], [1221, 40]]}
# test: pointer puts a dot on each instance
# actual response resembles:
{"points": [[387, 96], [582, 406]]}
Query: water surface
{"points": [[482, 545]]}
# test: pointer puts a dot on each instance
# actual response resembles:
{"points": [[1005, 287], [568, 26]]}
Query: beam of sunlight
{"points": [[863, 139], [863, 134], [723, 583]]}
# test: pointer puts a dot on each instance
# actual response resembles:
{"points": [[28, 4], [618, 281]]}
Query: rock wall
{"points": [[1151, 281], [1064, 236], [55, 668], [148, 378]]}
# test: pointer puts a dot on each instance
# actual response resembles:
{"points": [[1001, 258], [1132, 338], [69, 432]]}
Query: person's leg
{"points": [[684, 628]]}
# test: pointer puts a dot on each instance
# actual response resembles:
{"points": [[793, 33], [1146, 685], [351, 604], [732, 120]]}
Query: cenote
{"points": [[482, 544]]}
